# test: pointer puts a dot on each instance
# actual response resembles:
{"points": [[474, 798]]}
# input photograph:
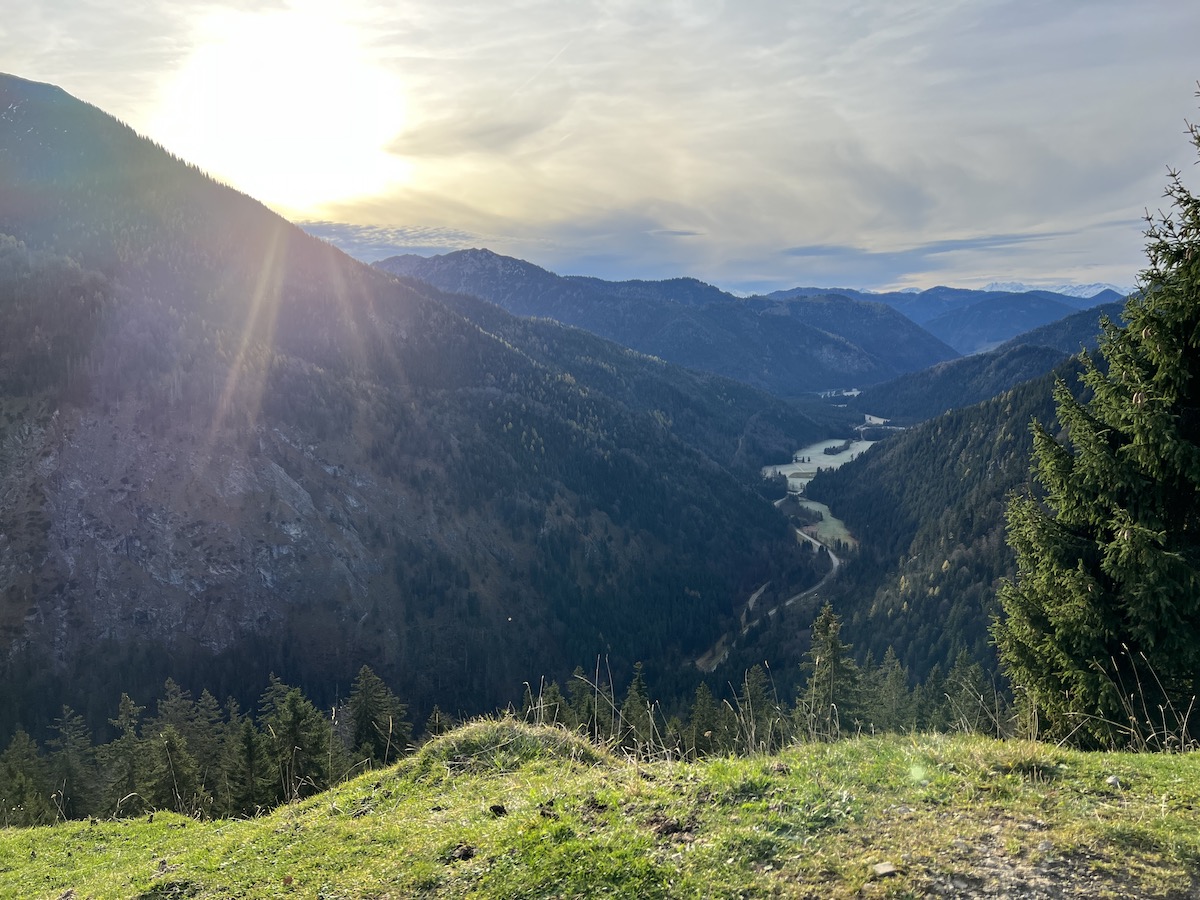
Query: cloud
{"points": [[375, 242], [881, 143]]}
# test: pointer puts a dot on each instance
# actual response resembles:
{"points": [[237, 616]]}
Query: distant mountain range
{"points": [[972, 321], [788, 346], [788, 342], [1068, 289], [972, 379]]}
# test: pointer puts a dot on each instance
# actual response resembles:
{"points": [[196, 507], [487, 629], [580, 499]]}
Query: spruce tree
{"points": [[761, 719], [581, 698], [198, 722], [302, 745], [249, 783], [888, 703], [380, 731], [74, 779], [637, 723], [1100, 631], [24, 784], [172, 777], [971, 701], [438, 722], [703, 732], [123, 761], [830, 700]]}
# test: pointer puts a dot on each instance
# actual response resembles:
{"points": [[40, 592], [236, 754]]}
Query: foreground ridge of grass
{"points": [[503, 809]]}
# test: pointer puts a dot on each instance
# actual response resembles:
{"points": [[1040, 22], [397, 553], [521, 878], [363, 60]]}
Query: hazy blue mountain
{"points": [[971, 321], [991, 322], [972, 379], [1079, 331], [1098, 292], [784, 346]]}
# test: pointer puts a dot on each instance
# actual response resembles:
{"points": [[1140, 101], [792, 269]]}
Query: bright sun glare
{"points": [[286, 107]]}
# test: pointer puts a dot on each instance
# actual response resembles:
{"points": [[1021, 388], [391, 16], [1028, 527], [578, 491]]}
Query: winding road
{"points": [[719, 651]]}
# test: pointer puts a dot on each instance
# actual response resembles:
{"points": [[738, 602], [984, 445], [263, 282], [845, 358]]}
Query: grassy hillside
{"points": [[506, 810]]}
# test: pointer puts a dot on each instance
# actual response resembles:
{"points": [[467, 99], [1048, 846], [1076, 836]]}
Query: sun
{"points": [[285, 106]]}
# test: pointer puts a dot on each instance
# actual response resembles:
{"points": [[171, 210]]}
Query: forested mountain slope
{"points": [[972, 321], [973, 379], [738, 426], [928, 508], [987, 324], [1078, 331], [788, 347], [226, 449]]}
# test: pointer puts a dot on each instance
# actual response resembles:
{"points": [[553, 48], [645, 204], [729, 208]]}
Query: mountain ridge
{"points": [[970, 320], [767, 343], [254, 454]]}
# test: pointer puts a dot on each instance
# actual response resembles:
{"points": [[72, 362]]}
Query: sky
{"points": [[876, 144]]}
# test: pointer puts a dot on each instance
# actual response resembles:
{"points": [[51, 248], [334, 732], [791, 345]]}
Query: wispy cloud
{"points": [[374, 242], [753, 144]]}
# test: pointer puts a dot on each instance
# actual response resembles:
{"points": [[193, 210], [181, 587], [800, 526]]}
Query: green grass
{"points": [[830, 528], [499, 809]]}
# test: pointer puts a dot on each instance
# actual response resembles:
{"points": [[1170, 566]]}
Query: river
{"points": [[829, 532]]}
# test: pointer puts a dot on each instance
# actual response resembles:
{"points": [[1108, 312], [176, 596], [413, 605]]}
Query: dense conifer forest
{"points": [[198, 756], [227, 450]]}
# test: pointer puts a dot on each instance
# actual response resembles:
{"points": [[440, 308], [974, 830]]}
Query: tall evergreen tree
{"points": [[830, 699], [123, 761], [198, 722], [761, 720], [972, 703], [24, 784], [172, 776], [302, 744], [1101, 628], [581, 695], [637, 723], [707, 727], [888, 703], [933, 707], [379, 730], [250, 781], [438, 722], [549, 707], [73, 776]]}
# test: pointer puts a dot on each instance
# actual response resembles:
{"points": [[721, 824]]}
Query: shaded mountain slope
{"points": [[739, 426], [972, 379], [988, 323], [786, 348], [957, 383], [226, 449], [1078, 331], [877, 328], [971, 321], [928, 508]]}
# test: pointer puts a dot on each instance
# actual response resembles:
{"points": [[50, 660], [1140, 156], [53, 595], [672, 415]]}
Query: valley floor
{"points": [[501, 809]]}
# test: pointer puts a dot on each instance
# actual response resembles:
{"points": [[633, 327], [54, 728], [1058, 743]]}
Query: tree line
{"points": [[198, 757]]}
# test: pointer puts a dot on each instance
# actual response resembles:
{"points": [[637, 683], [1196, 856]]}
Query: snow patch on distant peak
{"points": [[1085, 291]]}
